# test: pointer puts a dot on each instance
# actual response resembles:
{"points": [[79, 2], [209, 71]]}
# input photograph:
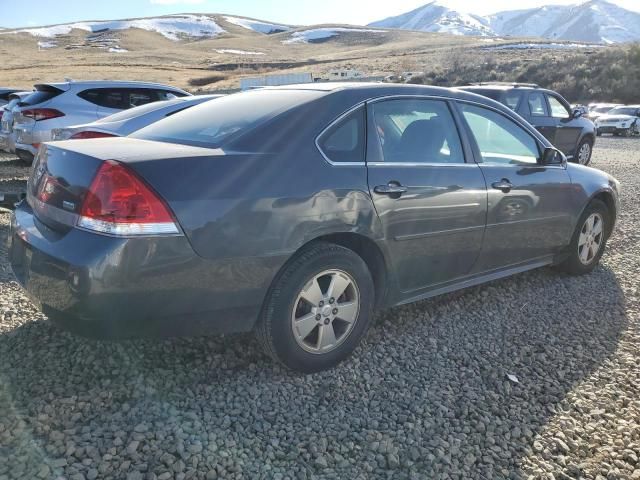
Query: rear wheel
{"points": [[626, 132], [589, 239], [584, 151], [318, 310]]}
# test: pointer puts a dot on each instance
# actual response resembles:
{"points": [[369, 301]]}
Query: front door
{"points": [[530, 207], [431, 202], [567, 130]]}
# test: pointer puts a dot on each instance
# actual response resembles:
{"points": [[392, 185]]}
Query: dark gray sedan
{"points": [[296, 212]]}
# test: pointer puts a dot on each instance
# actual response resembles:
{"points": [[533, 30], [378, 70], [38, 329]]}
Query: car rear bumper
{"points": [[108, 287], [612, 129]]}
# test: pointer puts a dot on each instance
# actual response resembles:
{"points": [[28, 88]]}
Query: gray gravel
{"points": [[426, 397]]}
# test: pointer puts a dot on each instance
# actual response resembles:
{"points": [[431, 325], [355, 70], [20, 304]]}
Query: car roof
{"points": [[107, 83]]}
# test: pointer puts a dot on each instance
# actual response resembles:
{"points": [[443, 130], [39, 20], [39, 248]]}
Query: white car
{"points": [[623, 121], [597, 109], [7, 135], [126, 122], [59, 105]]}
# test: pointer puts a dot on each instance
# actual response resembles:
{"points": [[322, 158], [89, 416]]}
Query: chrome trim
{"points": [[328, 127], [420, 164]]}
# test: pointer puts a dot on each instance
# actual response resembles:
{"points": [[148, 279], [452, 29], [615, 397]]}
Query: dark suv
{"points": [[549, 113]]}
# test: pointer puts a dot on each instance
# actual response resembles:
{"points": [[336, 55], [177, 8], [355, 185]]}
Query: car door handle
{"points": [[505, 185], [391, 188]]}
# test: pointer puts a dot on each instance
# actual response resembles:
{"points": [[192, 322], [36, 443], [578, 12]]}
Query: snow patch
{"points": [[172, 27], [231, 51], [117, 50], [257, 26], [316, 34], [47, 44], [541, 46]]}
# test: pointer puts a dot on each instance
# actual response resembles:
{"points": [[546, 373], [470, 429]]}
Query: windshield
{"points": [[624, 111], [602, 109], [212, 123]]}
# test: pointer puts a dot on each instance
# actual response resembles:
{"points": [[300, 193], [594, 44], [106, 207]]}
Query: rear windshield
{"points": [[41, 96], [211, 124], [137, 111]]}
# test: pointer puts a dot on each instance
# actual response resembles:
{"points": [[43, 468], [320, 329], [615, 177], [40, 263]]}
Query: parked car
{"points": [[7, 135], [58, 105], [624, 120], [597, 109], [549, 113], [5, 93], [126, 122], [264, 211]]}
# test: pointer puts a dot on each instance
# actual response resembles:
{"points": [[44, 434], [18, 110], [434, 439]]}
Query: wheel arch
{"points": [[606, 197]]}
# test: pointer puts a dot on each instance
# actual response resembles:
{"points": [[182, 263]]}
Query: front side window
{"points": [[417, 131], [500, 140], [344, 141], [537, 104], [558, 110]]}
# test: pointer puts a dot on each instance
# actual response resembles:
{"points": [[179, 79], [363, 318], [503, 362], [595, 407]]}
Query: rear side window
{"points": [[119, 98], [211, 124], [537, 105], [344, 141], [41, 96], [512, 99], [417, 131]]}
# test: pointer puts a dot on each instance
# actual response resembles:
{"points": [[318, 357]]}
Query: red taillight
{"points": [[39, 114], [90, 134], [118, 202]]}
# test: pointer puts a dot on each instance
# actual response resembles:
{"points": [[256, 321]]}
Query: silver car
{"points": [[7, 135], [126, 122], [59, 105]]}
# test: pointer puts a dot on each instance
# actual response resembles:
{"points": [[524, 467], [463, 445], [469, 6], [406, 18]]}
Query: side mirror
{"points": [[553, 156], [577, 113]]}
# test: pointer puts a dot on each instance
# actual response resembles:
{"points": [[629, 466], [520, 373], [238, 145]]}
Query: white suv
{"points": [[59, 105], [624, 120]]}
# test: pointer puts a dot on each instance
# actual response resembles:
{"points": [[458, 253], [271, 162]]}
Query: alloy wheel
{"points": [[584, 154], [325, 311], [591, 238]]}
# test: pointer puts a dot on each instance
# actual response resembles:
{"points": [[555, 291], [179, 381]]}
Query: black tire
{"points": [[274, 329], [585, 141], [573, 265], [626, 133]]}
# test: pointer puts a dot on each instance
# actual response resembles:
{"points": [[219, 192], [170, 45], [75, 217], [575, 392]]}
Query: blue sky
{"points": [[19, 13]]}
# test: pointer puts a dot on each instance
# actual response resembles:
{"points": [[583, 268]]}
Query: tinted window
{"points": [[210, 124], [344, 141], [119, 98], [558, 110], [41, 96], [537, 104], [414, 130], [512, 99], [500, 140], [167, 95], [137, 111]]}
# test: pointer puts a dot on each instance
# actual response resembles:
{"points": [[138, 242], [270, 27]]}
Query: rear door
{"points": [[430, 197], [530, 205], [567, 130]]}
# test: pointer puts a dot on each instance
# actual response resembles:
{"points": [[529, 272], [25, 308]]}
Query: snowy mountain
{"points": [[436, 17], [597, 21], [592, 21]]}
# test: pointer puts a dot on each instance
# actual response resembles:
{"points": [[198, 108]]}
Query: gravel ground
{"points": [[426, 397]]}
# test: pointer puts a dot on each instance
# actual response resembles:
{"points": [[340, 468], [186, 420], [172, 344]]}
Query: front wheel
{"points": [[318, 310], [589, 239], [626, 132], [584, 152]]}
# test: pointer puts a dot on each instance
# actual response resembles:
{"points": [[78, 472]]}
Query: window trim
{"points": [[545, 104], [476, 149], [341, 117]]}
